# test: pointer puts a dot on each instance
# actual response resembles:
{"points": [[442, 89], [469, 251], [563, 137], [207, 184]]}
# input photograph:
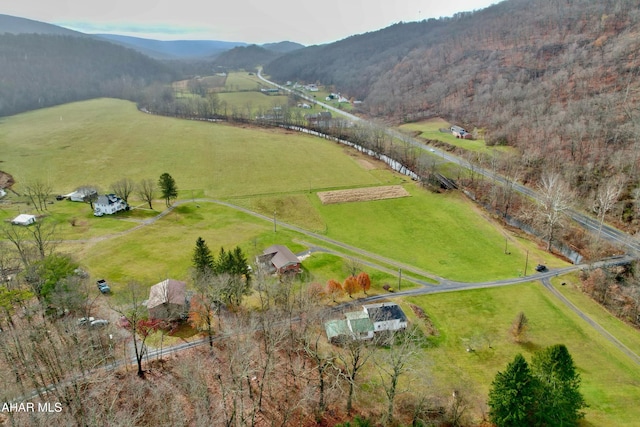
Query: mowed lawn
{"points": [[101, 141], [480, 320], [441, 233], [430, 129]]}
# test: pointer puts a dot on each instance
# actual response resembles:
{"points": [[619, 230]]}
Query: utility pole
{"points": [[274, 221], [526, 262], [399, 278]]}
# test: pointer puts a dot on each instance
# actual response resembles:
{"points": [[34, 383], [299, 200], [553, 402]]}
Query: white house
{"points": [[386, 316], [109, 204], [24, 219], [2, 193]]}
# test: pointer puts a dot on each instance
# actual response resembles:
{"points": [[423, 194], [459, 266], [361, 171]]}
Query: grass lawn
{"points": [[242, 81], [106, 140], [626, 334], [480, 319], [253, 101], [440, 233], [430, 129]]}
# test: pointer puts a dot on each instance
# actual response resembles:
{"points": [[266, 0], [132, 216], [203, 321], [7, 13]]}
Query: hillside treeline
{"points": [[556, 79], [45, 70]]}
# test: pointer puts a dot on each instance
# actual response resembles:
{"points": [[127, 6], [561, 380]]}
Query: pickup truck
{"points": [[103, 286]]}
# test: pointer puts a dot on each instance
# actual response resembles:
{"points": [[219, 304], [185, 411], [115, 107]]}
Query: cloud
{"points": [[165, 30]]}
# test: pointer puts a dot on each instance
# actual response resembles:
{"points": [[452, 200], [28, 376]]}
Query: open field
{"points": [[430, 129], [626, 334], [362, 194], [480, 319], [101, 141], [254, 101], [241, 81], [441, 233]]}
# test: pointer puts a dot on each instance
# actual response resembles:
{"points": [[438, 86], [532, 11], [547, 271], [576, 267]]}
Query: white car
{"points": [[99, 322], [85, 320]]}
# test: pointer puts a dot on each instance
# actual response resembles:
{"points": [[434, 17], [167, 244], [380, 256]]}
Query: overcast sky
{"points": [[251, 21]]}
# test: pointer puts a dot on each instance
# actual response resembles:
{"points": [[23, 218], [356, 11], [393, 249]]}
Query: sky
{"points": [[251, 21]]}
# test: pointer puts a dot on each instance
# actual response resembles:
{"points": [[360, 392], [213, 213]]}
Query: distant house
{"points": [[364, 324], [109, 204], [2, 193], [279, 259], [24, 219], [168, 300], [459, 132], [323, 118]]}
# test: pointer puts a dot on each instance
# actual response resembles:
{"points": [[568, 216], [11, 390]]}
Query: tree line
{"points": [[44, 70]]}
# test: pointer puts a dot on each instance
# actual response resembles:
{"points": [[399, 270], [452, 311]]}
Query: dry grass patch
{"points": [[363, 194]]}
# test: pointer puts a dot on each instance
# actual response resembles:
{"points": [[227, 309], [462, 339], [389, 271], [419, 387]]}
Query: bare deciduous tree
{"points": [[123, 188], [38, 192], [555, 200], [146, 190], [606, 197]]}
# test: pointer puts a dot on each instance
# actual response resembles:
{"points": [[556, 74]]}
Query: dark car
{"points": [[103, 286], [541, 267]]}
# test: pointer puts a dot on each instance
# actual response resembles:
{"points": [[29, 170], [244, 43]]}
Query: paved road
{"points": [[607, 232]]}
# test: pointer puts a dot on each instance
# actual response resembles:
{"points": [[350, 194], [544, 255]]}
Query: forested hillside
{"points": [[557, 79], [44, 70]]}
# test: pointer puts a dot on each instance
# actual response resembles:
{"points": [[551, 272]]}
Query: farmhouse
{"points": [[459, 132], [109, 204], [364, 324], [168, 300], [279, 259], [24, 219]]}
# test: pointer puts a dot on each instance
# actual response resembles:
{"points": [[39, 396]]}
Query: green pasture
{"points": [[252, 102], [480, 320], [101, 141], [626, 334], [430, 129], [242, 81], [440, 233]]}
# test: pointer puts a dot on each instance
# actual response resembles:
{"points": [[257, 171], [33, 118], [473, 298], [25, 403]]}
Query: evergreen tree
{"points": [[202, 258], [168, 188], [559, 401], [233, 266], [512, 395]]}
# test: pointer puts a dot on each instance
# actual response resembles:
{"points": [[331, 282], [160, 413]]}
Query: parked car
{"points": [[99, 322], [103, 286], [85, 320], [541, 267]]}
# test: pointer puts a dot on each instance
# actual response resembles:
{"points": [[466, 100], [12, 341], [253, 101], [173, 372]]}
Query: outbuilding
{"points": [[24, 219]]}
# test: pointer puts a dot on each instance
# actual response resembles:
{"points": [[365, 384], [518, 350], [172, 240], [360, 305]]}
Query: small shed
{"points": [[24, 219]]}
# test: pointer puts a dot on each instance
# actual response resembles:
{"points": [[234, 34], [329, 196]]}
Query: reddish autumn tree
{"points": [[334, 288], [350, 285], [364, 282]]}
